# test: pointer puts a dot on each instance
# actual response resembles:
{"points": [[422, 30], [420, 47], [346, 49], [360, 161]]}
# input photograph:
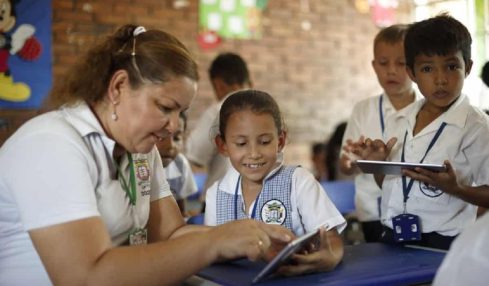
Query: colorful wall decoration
{"points": [[232, 19], [25, 53], [383, 12]]}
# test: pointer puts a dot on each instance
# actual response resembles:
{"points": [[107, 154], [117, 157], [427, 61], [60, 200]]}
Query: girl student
{"points": [[259, 186]]}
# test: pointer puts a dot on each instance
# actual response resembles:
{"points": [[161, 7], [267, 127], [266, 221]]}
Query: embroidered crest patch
{"points": [[429, 190], [273, 212], [142, 169]]}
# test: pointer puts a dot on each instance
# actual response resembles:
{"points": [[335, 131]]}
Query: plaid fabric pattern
{"points": [[277, 187], [225, 207], [176, 184]]}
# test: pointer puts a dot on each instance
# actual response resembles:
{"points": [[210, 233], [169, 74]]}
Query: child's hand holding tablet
{"points": [[283, 256], [312, 252]]}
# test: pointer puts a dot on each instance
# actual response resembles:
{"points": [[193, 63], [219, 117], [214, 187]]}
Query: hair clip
{"points": [[138, 30]]}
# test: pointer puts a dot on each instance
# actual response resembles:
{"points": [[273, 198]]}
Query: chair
{"points": [[342, 194], [200, 181], [196, 219]]}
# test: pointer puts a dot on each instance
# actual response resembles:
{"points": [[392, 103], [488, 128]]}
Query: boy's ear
{"points": [[468, 68], [282, 138], [221, 145], [410, 73]]}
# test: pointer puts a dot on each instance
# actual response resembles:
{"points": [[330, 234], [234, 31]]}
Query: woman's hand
{"points": [[321, 256], [249, 238]]}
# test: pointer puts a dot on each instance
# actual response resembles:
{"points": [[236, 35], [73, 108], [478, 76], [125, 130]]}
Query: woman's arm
{"points": [[165, 221], [80, 252]]}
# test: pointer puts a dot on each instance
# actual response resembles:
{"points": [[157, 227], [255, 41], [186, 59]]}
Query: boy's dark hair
{"points": [[391, 35], [231, 68], [485, 73], [440, 35], [257, 101]]}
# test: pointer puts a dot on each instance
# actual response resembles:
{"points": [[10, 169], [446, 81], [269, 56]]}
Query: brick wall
{"points": [[316, 75]]}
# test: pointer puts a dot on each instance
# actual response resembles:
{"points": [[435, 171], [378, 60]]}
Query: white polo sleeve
{"points": [[476, 152], [51, 176], [314, 206], [159, 185]]}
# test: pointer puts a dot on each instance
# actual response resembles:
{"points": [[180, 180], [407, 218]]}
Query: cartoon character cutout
{"points": [[21, 43]]}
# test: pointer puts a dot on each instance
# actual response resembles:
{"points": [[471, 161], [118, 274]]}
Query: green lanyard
{"points": [[130, 190]]}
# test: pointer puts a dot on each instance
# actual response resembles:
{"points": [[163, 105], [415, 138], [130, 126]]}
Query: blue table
{"points": [[364, 264]]}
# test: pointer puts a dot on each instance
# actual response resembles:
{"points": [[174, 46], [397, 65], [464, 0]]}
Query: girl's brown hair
{"points": [[257, 101]]}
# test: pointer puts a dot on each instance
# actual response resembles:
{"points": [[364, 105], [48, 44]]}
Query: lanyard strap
{"points": [[129, 189], [406, 187], [381, 115], [253, 213]]}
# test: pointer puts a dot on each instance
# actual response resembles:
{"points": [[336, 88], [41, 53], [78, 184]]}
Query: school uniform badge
{"points": [[429, 190], [273, 212], [142, 169]]}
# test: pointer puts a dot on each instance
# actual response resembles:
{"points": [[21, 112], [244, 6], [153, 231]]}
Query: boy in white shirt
{"points": [[424, 207], [370, 116], [228, 73]]}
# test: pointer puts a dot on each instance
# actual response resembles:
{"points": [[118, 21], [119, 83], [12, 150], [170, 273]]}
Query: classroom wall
{"points": [[316, 75]]}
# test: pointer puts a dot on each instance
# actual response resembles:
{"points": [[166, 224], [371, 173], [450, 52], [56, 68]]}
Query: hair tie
{"points": [[138, 30]]}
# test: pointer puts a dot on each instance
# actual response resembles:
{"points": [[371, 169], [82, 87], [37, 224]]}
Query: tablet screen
{"points": [[282, 257], [394, 168]]}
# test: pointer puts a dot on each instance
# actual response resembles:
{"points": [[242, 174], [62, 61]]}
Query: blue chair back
{"points": [[342, 194], [196, 219], [200, 181]]}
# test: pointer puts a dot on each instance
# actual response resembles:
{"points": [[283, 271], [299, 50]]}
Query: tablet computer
{"points": [[394, 168], [283, 256]]}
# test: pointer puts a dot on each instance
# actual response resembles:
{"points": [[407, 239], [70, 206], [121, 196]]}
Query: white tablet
{"points": [[394, 168], [293, 247]]}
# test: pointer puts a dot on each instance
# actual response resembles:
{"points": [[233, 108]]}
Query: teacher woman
{"points": [[83, 196]]}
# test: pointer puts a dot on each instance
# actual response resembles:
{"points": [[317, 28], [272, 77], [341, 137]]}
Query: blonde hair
{"points": [[391, 35]]}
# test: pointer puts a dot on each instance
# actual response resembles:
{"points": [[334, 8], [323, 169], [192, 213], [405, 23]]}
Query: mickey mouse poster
{"points": [[25, 52]]}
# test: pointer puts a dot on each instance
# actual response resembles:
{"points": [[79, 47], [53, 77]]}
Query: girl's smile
{"points": [[252, 143]]}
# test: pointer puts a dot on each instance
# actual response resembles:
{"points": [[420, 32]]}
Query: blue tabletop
{"points": [[364, 264]]}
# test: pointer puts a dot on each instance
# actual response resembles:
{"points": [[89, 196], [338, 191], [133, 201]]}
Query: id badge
{"points": [[138, 236], [406, 227]]}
